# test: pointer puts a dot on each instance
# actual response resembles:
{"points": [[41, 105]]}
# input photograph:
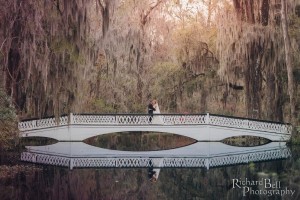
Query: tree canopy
{"points": [[107, 56]]}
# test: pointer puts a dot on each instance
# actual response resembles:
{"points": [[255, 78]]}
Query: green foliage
{"points": [[101, 106], [7, 113], [295, 139], [132, 106], [166, 77], [252, 167], [7, 121], [294, 32], [294, 26], [67, 48]]}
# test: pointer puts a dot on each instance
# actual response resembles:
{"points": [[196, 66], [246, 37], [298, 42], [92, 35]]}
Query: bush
{"points": [[8, 122]]}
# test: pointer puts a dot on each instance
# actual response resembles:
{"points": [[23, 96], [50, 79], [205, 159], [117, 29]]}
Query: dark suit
{"points": [[150, 111], [151, 172]]}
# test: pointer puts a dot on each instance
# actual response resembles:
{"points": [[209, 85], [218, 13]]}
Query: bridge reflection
{"points": [[200, 154]]}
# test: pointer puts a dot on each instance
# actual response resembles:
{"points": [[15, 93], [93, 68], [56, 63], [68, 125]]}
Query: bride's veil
{"points": [[157, 110]]}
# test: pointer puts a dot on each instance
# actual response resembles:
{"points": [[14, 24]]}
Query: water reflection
{"points": [[153, 173], [246, 141], [198, 155], [139, 141], [202, 170], [36, 141]]}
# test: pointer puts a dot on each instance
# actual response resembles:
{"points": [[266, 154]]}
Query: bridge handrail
{"points": [[159, 119], [250, 124]]}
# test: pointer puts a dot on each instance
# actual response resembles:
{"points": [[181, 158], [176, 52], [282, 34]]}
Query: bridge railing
{"points": [[123, 119], [158, 119], [43, 123], [249, 124]]}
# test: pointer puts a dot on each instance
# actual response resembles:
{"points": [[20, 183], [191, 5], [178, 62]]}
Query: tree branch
{"points": [[145, 16]]}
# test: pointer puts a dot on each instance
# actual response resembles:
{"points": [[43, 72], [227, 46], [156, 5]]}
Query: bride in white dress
{"points": [[157, 119], [155, 169]]}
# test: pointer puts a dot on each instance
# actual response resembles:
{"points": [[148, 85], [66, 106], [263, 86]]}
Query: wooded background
{"points": [[232, 57]]}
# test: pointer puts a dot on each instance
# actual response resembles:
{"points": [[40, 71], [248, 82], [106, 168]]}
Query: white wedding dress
{"points": [[157, 119], [158, 163]]}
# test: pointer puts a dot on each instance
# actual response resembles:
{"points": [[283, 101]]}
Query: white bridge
{"points": [[201, 127], [199, 154]]}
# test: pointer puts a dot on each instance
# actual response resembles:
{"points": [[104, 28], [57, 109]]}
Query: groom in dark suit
{"points": [[150, 110]]}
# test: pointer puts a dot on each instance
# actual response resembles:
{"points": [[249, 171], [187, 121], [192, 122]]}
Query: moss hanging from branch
{"points": [[49, 53], [250, 43]]}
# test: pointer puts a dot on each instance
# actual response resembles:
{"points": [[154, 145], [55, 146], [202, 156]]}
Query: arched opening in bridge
{"points": [[245, 141], [36, 141], [139, 141]]}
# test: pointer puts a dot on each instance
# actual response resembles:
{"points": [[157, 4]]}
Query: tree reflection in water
{"points": [[19, 180], [139, 141]]}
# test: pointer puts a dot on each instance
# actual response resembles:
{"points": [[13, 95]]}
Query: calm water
{"points": [[267, 176]]}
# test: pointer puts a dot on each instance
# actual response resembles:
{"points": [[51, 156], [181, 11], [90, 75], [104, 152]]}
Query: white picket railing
{"points": [[161, 119]]}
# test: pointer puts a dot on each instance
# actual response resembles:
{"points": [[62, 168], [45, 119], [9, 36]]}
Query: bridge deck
{"points": [[202, 127]]}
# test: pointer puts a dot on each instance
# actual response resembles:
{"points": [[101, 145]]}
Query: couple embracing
{"points": [[153, 109]]}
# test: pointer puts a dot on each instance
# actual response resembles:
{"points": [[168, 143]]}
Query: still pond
{"points": [[121, 165]]}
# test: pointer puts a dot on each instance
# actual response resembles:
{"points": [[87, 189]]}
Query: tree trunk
{"points": [[209, 12], [288, 59], [265, 12], [253, 82]]}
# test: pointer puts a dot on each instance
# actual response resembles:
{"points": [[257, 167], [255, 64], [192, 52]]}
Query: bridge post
{"points": [[33, 123], [71, 120], [246, 123], [207, 120]]}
